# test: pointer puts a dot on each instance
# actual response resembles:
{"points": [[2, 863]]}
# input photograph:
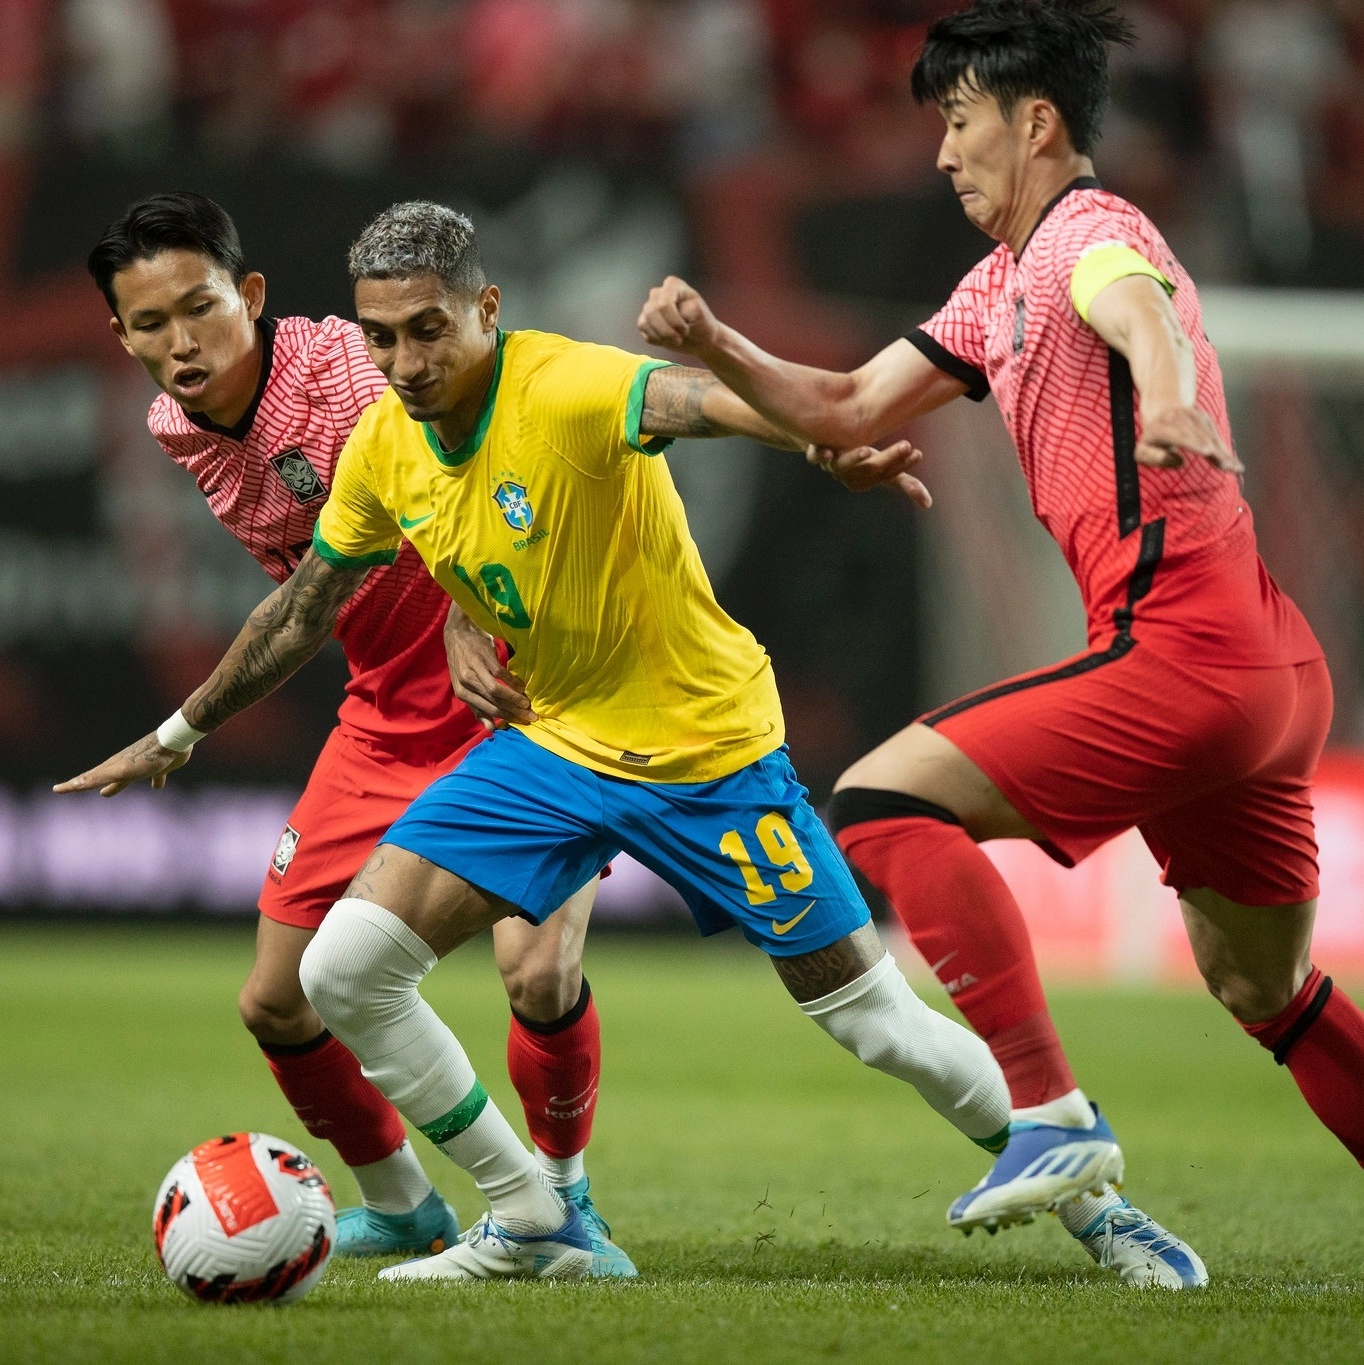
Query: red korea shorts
{"points": [[355, 792], [1212, 764]]}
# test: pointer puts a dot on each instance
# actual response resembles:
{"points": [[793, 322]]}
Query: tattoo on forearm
{"points": [[281, 635], [673, 402]]}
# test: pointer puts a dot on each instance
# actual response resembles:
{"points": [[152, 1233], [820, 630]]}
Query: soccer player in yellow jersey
{"points": [[525, 469]]}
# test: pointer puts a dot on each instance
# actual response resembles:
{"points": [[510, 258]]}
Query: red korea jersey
{"points": [[1165, 555], [266, 480]]}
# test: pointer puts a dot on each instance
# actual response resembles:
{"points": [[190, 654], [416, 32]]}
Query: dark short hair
{"points": [[419, 238], [1055, 50], [180, 220]]}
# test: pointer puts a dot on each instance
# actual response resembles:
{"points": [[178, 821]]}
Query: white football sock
{"points": [[880, 1019], [560, 1171], [1077, 1214], [1070, 1110], [394, 1184], [361, 973]]}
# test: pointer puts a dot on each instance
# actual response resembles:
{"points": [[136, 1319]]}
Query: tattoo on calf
{"points": [[812, 975]]}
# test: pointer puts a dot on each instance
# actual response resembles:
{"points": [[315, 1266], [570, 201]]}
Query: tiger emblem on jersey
{"points": [[298, 475], [516, 509]]}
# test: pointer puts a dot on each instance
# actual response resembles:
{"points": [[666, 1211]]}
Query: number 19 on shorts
{"points": [[783, 850]]}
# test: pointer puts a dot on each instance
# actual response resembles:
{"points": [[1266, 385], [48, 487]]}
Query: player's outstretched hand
{"points": [[1168, 435], [145, 761], [863, 467], [495, 695], [676, 316]]}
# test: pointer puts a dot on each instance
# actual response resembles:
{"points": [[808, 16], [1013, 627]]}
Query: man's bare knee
{"points": [[542, 990], [275, 1016], [1254, 959]]}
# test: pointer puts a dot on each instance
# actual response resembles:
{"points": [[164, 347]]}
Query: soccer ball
{"points": [[244, 1219]]}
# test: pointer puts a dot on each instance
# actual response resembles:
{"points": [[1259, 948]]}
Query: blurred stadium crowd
{"points": [[768, 148], [1227, 115]]}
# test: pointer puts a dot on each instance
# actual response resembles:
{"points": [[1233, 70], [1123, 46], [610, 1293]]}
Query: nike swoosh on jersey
{"points": [[416, 521], [787, 925]]}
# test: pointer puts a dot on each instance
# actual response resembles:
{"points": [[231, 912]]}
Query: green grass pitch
{"points": [[783, 1202]]}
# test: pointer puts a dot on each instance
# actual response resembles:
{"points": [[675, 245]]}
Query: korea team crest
{"points": [[298, 475], [284, 851], [516, 509]]}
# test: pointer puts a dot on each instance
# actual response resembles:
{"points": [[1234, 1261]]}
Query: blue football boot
{"points": [[1143, 1253], [429, 1228], [607, 1258], [1042, 1165], [488, 1251]]}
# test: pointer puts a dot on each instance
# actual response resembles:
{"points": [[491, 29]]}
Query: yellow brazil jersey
{"points": [[553, 528]]}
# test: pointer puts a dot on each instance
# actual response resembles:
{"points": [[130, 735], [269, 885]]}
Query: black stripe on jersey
{"points": [[1143, 572], [1143, 575], [1122, 644], [977, 386], [1122, 412]]}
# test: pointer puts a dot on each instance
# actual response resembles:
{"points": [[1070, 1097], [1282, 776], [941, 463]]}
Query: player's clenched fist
{"points": [[145, 761], [676, 316]]}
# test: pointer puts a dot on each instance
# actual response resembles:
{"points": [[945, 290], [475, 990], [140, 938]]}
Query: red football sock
{"points": [[323, 1081], [1320, 1038], [555, 1069], [964, 920]]}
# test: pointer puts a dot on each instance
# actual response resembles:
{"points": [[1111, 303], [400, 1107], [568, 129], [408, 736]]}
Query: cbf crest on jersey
{"points": [[299, 477], [511, 497]]}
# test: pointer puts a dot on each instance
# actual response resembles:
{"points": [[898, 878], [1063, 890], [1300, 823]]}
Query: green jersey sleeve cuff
{"points": [[1102, 265], [339, 561], [634, 411]]}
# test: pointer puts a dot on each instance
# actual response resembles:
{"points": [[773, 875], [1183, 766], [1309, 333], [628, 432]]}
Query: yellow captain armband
{"points": [[1100, 265]]}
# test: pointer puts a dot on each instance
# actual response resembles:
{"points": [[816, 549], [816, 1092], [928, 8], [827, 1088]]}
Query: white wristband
{"points": [[177, 734]]}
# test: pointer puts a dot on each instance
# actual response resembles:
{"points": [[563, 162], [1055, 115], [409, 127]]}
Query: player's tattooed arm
{"points": [[679, 401], [809, 976], [281, 635], [685, 402]]}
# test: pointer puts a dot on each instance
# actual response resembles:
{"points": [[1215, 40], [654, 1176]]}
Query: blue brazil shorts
{"points": [[747, 849]]}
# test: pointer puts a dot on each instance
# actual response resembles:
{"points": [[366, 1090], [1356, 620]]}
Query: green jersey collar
{"points": [[468, 447]]}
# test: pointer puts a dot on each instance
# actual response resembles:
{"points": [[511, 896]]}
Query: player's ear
{"points": [[489, 305], [253, 291], [1043, 125], [116, 327]]}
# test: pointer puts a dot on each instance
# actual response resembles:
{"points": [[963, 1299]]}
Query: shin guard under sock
{"points": [[1320, 1039], [964, 920], [883, 1023], [555, 1068], [361, 974], [323, 1082]]}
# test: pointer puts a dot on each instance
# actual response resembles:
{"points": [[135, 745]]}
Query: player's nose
{"points": [[182, 342]]}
